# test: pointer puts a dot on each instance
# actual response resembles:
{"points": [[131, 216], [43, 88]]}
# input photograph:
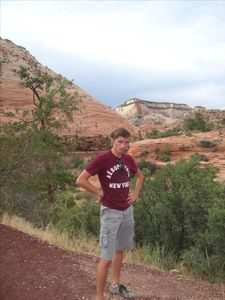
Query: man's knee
{"points": [[104, 263]]}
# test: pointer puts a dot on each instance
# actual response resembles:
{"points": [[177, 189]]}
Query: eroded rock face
{"points": [[210, 145], [140, 108], [163, 115], [92, 119]]}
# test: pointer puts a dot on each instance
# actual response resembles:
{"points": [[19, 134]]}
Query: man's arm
{"points": [[133, 196], [83, 181]]}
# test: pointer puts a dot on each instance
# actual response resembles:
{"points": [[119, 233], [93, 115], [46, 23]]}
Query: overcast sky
{"points": [[172, 51]]}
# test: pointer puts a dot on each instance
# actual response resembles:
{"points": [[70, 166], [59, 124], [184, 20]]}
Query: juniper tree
{"points": [[31, 151]]}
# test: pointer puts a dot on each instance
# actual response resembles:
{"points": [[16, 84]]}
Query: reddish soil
{"points": [[32, 269], [183, 147]]}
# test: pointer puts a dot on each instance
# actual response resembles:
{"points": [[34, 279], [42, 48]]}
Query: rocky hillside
{"points": [[209, 145], [162, 115], [92, 119]]}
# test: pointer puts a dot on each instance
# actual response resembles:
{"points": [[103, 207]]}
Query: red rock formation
{"points": [[182, 147], [92, 119]]}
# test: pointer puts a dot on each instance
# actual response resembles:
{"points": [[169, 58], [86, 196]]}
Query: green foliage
{"points": [[197, 122], [207, 257], [179, 196], [70, 218], [179, 208], [157, 255], [49, 94], [155, 133], [73, 162], [30, 163], [9, 114], [199, 157], [147, 167], [165, 153], [31, 155]]}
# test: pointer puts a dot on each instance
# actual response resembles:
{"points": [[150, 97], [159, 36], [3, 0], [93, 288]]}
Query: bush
{"points": [[70, 218], [78, 162], [197, 122], [200, 157], [207, 256], [183, 207], [165, 153], [144, 153], [207, 144], [155, 133], [147, 167]]}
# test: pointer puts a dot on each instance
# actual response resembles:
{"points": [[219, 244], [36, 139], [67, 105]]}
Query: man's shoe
{"points": [[122, 291]]}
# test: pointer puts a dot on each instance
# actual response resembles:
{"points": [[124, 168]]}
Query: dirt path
{"points": [[31, 269]]}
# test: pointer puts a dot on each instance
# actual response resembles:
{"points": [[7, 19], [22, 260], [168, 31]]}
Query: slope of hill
{"points": [[92, 119], [211, 145]]}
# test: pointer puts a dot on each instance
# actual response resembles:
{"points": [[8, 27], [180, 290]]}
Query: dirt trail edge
{"points": [[31, 269]]}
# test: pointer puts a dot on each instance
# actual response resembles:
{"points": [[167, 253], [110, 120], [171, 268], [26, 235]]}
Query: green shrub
{"points": [[165, 153], [197, 122], [78, 162], [155, 133], [183, 207], [147, 167], [207, 144], [71, 218], [200, 157]]}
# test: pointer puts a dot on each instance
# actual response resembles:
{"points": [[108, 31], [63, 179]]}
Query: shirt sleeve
{"points": [[95, 166]]}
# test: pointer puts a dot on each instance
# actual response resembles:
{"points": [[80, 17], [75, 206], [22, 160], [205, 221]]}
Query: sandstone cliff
{"points": [[162, 115], [140, 108], [92, 119]]}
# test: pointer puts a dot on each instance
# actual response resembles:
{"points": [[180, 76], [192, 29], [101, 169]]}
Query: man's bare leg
{"points": [[101, 277], [116, 267]]}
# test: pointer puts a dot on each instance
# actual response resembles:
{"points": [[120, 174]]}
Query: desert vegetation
{"points": [[194, 122]]}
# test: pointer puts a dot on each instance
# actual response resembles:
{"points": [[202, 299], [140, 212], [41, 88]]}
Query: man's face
{"points": [[121, 144]]}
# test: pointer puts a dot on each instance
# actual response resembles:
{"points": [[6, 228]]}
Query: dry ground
{"points": [[31, 269]]}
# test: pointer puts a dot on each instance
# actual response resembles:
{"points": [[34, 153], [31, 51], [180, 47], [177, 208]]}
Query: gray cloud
{"points": [[154, 50]]}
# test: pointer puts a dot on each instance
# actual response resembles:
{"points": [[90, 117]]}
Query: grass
{"points": [[145, 255], [80, 243], [153, 256]]}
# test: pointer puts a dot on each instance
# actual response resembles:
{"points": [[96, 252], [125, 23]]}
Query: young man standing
{"points": [[114, 168]]}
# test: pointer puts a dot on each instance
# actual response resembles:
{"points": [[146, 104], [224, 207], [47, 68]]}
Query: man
{"points": [[114, 168]]}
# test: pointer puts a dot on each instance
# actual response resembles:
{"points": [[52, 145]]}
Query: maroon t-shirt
{"points": [[114, 176]]}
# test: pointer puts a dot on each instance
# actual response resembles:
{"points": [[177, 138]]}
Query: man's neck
{"points": [[117, 154]]}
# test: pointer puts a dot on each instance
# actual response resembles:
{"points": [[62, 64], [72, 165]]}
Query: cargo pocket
{"points": [[104, 238]]}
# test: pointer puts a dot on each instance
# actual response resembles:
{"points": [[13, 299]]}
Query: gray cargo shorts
{"points": [[117, 231]]}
